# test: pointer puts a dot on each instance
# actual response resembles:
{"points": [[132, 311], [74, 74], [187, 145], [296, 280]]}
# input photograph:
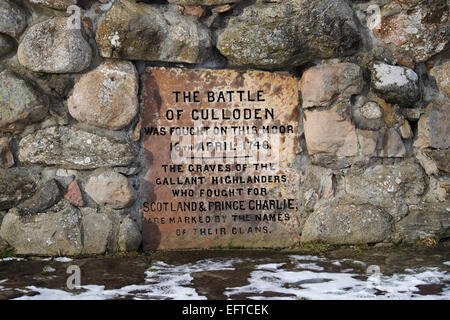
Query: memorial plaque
{"points": [[218, 153]]}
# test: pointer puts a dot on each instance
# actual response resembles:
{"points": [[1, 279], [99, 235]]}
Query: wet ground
{"points": [[348, 273]]}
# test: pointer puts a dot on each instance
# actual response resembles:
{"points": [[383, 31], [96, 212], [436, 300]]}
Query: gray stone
{"points": [[425, 220], [16, 185], [318, 183], [434, 126], [107, 96], [140, 31], [344, 223], [52, 47], [441, 158], [74, 149], [390, 144], [46, 197], [111, 189], [55, 4], [129, 235], [20, 103], [97, 231], [395, 84], [55, 232], [367, 140], [6, 45], [381, 184], [13, 19], [289, 33], [426, 162]]}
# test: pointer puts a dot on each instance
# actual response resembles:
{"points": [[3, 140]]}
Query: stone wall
{"points": [[373, 136]]}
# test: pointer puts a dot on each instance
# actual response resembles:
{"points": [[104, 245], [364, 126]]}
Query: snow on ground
{"points": [[305, 279], [12, 259], [62, 259]]}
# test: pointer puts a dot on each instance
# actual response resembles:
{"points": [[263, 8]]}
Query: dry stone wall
{"points": [[372, 159]]}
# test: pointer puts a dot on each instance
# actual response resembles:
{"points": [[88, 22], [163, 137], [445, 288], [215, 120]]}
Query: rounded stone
{"points": [[53, 47], [371, 110], [129, 235], [6, 45], [13, 19], [289, 33], [107, 96], [55, 4], [395, 84], [111, 189]]}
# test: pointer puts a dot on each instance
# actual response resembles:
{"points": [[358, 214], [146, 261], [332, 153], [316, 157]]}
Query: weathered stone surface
{"points": [[366, 114], [20, 103], [427, 163], [97, 232], [412, 114], [425, 220], [74, 149], [111, 189], [371, 110], [203, 2], [46, 197], [195, 11], [344, 223], [13, 19], [55, 4], [73, 194], [6, 157], [405, 130], [207, 223], [441, 74], [367, 140], [380, 184], [140, 31], [107, 96], [6, 45], [395, 84], [441, 158], [52, 47], [434, 126], [390, 144], [339, 137], [417, 28], [55, 232], [129, 235], [3, 244], [289, 33], [223, 8], [16, 185], [318, 183], [67, 230], [325, 84]]}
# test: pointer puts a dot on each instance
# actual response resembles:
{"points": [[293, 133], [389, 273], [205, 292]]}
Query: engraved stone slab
{"points": [[218, 154]]}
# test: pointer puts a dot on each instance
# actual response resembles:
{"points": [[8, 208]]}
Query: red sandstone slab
{"points": [[218, 149]]}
